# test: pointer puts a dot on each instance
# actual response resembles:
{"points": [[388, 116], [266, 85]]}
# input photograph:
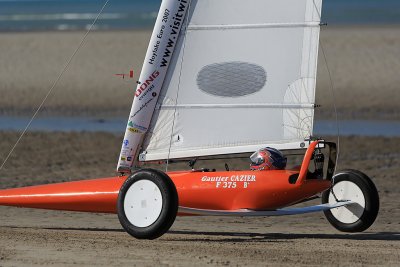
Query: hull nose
{"points": [[99, 195]]}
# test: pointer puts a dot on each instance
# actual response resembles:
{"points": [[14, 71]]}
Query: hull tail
{"points": [[99, 195]]}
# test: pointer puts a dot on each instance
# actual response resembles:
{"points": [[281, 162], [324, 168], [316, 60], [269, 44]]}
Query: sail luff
{"points": [[157, 61]]}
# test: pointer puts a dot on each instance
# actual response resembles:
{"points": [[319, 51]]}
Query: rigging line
{"points": [[317, 9], [179, 82], [332, 87], [334, 103], [54, 85]]}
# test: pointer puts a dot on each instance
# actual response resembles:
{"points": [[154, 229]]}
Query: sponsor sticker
{"points": [[175, 26], [143, 88], [233, 181], [126, 143], [134, 130], [131, 124]]}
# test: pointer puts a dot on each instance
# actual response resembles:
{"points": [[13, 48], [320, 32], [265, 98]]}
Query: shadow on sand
{"points": [[246, 237]]}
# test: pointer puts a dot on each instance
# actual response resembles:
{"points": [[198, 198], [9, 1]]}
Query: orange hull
{"points": [[256, 190], [98, 195], [202, 190], [262, 190]]}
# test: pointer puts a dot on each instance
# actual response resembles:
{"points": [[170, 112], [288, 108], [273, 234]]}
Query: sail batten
{"points": [[247, 106], [201, 152], [252, 26]]}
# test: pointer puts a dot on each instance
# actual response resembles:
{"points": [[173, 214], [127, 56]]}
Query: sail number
{"points": [[230, 182], [226, 185]]}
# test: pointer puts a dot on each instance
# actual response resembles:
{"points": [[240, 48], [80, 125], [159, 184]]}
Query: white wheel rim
{"points": [[346, 190], [143, 203]]}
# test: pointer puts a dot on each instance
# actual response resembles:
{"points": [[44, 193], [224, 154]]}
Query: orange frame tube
{"points": [[229, 190]]}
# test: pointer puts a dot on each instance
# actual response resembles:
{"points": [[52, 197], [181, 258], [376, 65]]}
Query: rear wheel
{"points": [[357, 187], [147, 204]]}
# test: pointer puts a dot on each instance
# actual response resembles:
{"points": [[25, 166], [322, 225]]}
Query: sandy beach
{"points": [[364, 63], [36, 237]]}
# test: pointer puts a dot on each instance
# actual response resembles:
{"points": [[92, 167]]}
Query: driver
{"points": [[267, 159]]}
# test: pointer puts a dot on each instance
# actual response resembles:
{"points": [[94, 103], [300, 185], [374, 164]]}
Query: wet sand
{"points": [[35, 237], [364, 63]]}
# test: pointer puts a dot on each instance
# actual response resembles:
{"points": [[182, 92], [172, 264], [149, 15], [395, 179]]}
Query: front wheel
{"points": [[147, 204], [357, 187]]}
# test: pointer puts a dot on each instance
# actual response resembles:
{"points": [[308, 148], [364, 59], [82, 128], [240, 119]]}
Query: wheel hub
{"points": [[346, 190], [143, 203]]}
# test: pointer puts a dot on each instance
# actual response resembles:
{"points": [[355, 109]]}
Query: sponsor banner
{"points": [[159, 54]]}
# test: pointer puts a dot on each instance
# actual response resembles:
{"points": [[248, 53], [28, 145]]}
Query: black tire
{"points": [[367, 215], [169, 207]]}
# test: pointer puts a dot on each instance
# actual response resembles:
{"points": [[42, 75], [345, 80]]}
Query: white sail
{"points": [[242, 77]]}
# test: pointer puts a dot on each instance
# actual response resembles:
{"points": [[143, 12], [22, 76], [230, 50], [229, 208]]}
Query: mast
{"points": [[163, 41]]}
